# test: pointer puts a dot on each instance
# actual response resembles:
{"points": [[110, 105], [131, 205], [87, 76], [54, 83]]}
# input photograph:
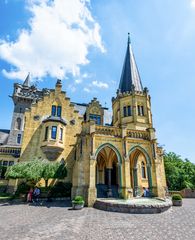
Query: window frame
{"points": [[19, 138], [53, 110], [54, 133]]}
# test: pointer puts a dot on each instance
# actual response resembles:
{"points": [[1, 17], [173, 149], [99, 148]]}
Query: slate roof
{"points": [[130, 77]]}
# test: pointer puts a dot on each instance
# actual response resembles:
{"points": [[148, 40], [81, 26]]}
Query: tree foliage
{"points": [[180, 173], [35, 170]]}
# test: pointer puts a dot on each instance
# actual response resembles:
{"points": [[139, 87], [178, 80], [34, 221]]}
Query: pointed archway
{"points": [[108, 171], [140, 170]]}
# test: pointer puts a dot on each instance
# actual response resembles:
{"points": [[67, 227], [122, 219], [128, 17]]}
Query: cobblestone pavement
{"points": [[57, 221]]}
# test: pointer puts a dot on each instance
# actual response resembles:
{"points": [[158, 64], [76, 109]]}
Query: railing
{"points": [[117, 132], [112, 131], [10, 151], [138, 134]]}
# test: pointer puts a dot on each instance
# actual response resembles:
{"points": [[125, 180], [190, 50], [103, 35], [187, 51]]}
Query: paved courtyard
{"points": [[57, 221]]}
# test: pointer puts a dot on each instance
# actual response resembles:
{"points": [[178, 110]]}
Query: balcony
{"points": [[15, 152], [117, 132], [52, 148]]}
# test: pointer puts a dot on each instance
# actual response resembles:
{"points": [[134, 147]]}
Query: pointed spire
{"points": [[130, 78], [27, 81]]}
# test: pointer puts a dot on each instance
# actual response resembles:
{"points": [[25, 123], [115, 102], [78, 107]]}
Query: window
{"points": [[53, 110], [143, 170], [18, 123], [140, 110], [56, 110], [59, 111], [19, 138], [53, 132], [46, 133], [124, 111], [5, 163], [61, 134], [129, 110], [96, 118], [11, 163]]}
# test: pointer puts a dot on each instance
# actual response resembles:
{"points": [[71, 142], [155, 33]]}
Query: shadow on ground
{"points": [[40, 203]]}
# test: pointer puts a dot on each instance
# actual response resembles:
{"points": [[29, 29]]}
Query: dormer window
{"points": [[53, 110], [56, 110], [59, 111], [96, 118]]}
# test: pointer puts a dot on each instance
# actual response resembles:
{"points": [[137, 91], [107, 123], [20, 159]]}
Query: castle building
{"points": [[103, 160]]}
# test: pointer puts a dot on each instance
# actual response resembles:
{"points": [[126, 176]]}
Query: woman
{"points": [[30, 194]]}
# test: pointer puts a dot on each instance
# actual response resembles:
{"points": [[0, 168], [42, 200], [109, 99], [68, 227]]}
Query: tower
{"points": [[131, 107]]}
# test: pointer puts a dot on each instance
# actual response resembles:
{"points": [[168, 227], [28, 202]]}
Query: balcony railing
{"points": [[111, 131], [117, 132], [10, 151], [138, 134]]}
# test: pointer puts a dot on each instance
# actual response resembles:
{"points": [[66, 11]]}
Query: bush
{"points": [[176, 197], [23, 188], [78, 200], [61, 189]]}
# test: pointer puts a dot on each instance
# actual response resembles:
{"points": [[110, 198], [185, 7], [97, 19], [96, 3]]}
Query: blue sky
{"points": [[88, 52]]}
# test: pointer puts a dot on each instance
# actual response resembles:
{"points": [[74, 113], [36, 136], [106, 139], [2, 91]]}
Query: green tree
{"points": [[35, 170], [180, 173]]}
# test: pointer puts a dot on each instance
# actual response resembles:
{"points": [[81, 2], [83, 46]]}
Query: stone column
{"points": [[135, 189], [127, 186], [109, 176], [92, 191]]}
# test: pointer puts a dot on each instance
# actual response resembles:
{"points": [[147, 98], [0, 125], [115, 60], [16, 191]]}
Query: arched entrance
{"points": [[140, 171], [108, 171]]}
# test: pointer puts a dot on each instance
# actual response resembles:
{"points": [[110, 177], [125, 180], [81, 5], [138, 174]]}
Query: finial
{"points": [[129, 39]]}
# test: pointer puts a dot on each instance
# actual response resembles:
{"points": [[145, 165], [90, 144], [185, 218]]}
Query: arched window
{"points": [[18, 123], [143, 170]]}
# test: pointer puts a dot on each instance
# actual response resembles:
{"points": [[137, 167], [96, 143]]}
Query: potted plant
{"points": [[177, 200], [78, 203]]}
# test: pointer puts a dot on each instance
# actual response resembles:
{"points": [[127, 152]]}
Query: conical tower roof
{"points": [[27, 81], [130, 78]]}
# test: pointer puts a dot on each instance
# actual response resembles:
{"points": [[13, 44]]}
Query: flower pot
{"points": [[77, 206], [177, 203]]}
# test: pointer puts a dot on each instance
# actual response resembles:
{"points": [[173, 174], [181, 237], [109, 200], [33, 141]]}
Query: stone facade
{"points": [[119, 159]]}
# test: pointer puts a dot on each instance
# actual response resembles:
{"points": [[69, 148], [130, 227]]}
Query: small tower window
{"points": [[19, 138], [129, 110], [46, 133], [53, 110], [53, 132], [18, 123], [124, 111], [59, 111], [140, 110], [143, 170]]}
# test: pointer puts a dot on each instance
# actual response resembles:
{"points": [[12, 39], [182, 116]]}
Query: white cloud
{"points": [[86, 89], [57, 42], [193, 3], [78, 81], [100, 84]]}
